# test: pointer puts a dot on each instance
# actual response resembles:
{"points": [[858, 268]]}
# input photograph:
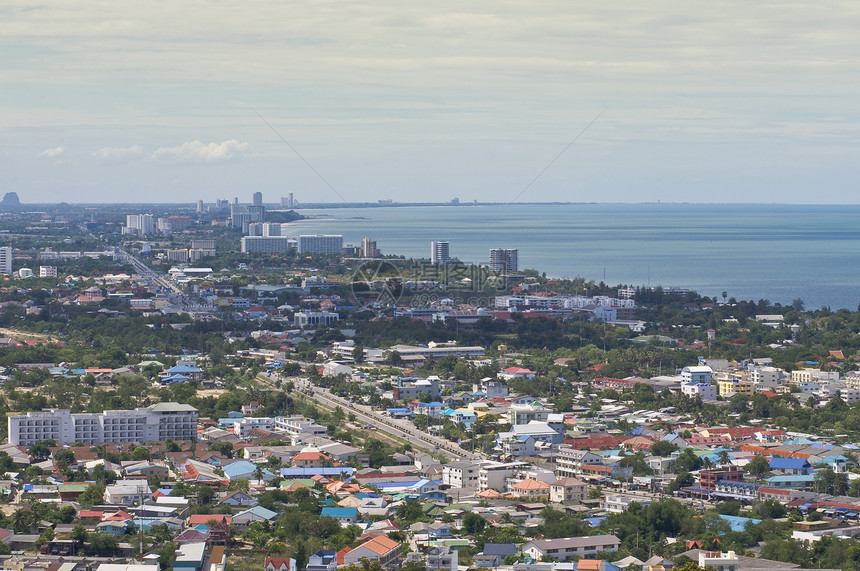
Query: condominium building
{"points": [[267, 244], [369, 249], [151, 424], [6, 260], [320, 244], [141, 224], [257, 199], [177, 255], [203, 244], [503, 260], [439, 252], [271, 229]]}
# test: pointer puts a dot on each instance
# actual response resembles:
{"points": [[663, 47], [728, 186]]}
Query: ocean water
{"points": [[750, 251]]}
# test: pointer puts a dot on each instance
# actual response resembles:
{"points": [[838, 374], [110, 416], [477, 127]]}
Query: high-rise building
{"points": [[240, 215], [439, 252], [163, 226], [267, 244], [320, 244], [6, 260], [257, 199], [368, 248], [199, 206], [271, 229], [203, 244], [503, 260], [141, 224]]}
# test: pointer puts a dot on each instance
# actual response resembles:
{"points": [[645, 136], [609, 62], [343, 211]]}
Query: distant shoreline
{"points": [[340, 205]]}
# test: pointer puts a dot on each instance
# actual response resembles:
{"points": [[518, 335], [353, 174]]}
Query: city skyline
{"points": [[375, 100]]}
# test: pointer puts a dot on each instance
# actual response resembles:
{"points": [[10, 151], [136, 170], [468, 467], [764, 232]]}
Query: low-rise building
{"points": [[568, 490], [463, 474], [566, 548], [705, 391], [151, 424]]}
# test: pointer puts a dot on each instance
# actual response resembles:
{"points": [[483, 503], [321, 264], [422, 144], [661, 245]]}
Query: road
{"points": [[395, 427], [177, 297]]}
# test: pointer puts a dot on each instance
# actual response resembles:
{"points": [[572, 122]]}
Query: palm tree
{"points": [[23, 520]]}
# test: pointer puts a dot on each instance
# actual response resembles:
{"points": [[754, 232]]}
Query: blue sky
{"points": [[700, 102]]}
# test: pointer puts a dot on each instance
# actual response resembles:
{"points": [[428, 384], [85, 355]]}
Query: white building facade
{"points": [[152, 424]]}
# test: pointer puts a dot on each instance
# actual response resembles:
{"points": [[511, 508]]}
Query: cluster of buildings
{"points": [[720, 378], [148, 225], [7, 259], [503, 260], [303, 244]]}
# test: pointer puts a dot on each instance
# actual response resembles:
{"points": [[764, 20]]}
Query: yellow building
{"points": [[744, 387]]}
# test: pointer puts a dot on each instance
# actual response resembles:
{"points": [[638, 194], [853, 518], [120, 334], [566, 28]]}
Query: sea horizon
{"points": [[779, 252]]}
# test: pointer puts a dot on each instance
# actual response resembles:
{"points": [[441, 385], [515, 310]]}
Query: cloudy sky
{"points": [[731, 101]]}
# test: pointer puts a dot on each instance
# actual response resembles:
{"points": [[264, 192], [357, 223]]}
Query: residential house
{"points": [[244, 519], [280, 564], [310, 458], [343, 515], [568, 490], [435, 558], [382, 549], [493, 554], [324, 560], [238, 498]]}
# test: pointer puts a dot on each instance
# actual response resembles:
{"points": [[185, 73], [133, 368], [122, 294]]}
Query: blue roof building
{"points": [[737, 523], [343, 515], [791, 466]]}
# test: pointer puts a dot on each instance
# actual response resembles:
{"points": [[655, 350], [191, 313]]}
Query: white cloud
{"points": [[52, 153], [197, 152], [118, 153]]}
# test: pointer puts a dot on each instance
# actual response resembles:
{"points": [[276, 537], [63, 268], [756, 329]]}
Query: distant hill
{"points": [[10, 199]]}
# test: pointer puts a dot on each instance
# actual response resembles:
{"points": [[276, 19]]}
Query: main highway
{"points": [[398, 428]]}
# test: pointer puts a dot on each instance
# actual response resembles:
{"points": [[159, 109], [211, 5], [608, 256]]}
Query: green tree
{"points": [[682, 480], [758, 467], [141, 453], [79, 535], [663, 448], [473, 523], [94, 494], [687, 461]]}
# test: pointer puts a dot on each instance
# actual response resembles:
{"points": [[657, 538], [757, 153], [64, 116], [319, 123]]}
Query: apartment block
{"points": [[6, 260], [320, 244], [152, 424]]}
